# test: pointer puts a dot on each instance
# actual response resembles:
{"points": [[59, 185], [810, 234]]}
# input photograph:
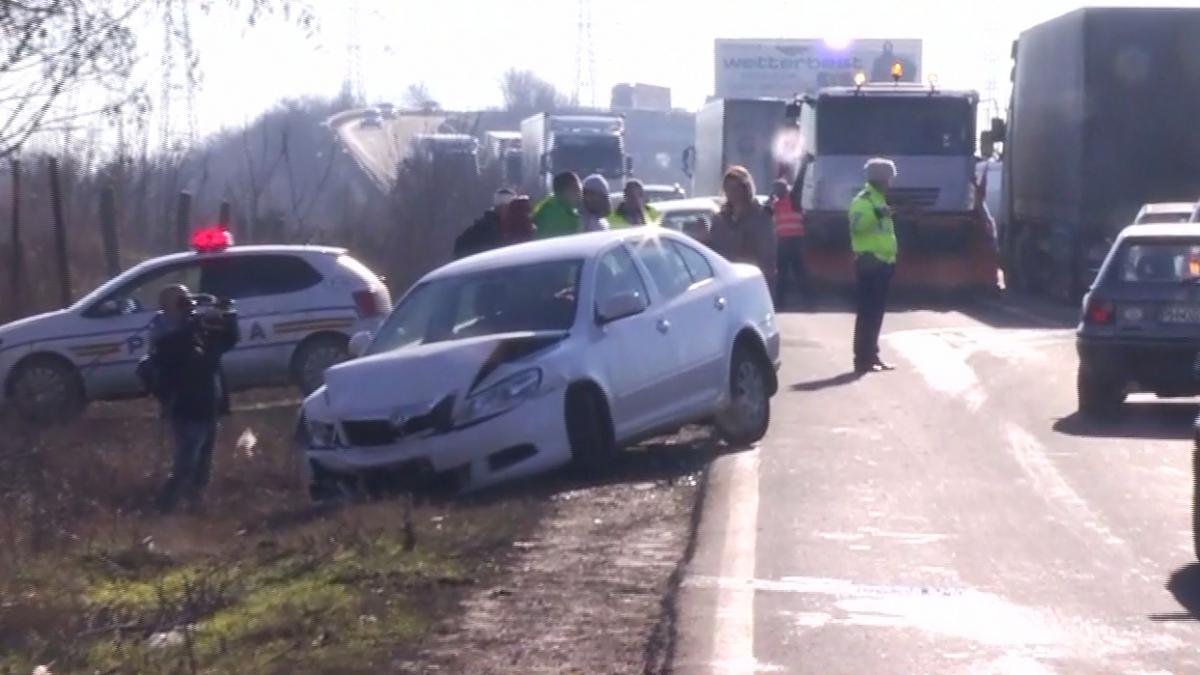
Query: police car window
{"points": [[1150, 262], [616, 273], [141, 295], [668, 270], [696, 263], [250, 276]]}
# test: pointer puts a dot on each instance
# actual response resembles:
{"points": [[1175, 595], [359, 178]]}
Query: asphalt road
{"points": [[953, 516]]}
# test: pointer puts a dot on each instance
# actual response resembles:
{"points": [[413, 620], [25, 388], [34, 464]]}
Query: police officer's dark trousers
{"points": [[872, 277]]}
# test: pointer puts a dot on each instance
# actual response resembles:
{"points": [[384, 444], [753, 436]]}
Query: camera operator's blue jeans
{"points": [[194, 440]]}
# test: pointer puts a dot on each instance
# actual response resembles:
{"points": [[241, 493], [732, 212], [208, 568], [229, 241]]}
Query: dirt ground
{"points": [[590, 590]]}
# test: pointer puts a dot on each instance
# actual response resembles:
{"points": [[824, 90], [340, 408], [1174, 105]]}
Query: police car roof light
{"points": [[212, 239]]}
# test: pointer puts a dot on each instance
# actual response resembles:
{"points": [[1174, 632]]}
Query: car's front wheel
{"points": [[589, 430], [46, 388], [1099, 395], [314, 356], [745, 420]]}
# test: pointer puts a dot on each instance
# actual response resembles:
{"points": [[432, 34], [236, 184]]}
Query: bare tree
{"points": [[54, 49], [525, 92], [418, 97]]}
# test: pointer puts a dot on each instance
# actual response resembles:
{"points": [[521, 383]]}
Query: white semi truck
{"points": [[584, 144]]}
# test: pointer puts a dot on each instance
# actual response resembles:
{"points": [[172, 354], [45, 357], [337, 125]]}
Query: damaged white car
{"points": [[520, 360]]}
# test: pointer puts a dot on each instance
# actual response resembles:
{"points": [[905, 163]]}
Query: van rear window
{"points": [[1158, 262]]}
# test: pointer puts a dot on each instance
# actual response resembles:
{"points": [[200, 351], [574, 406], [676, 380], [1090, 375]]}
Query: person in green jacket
{"points": [[873, 240], [633, 210], [558, 214]]}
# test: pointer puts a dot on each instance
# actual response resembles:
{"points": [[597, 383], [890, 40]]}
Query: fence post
{"points": [[18, 257], [183, 219], [108, 230], [60, 234]]}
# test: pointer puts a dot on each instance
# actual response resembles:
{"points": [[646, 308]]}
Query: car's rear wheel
{"points": [[1100, 395], [589, 430], [745, 420], [314, 356], [47, 388]]}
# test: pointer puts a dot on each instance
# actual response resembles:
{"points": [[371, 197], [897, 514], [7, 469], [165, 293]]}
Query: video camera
{"points": [[212, 312]]}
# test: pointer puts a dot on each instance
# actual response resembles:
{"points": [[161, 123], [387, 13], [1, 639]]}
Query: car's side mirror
{"points": [[359, 343], [689, 161], [987, 146], [620, 306], [545, 162]]}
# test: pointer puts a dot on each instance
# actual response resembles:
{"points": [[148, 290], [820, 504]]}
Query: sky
{"points": [[460, 50]]}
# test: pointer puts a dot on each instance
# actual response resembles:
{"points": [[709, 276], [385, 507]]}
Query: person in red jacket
{"points": [[789, 228]]}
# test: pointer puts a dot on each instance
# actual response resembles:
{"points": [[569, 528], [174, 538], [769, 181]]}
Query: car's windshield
{"points": [[540, 296], [891, 125], [1157, 262]]}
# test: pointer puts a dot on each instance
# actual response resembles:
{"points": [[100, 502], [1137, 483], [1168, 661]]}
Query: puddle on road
{"points": [[1007, 637]]}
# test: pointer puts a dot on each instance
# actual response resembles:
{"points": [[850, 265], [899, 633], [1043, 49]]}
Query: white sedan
{"points": [[522, 359]]}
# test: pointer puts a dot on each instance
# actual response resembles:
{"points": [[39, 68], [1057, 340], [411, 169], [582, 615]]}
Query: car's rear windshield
{"points": [[1140, 262], [535, 297], [1165, 217]]}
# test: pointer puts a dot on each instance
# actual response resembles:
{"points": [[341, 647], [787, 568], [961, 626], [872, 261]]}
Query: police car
{"points": [[297, 306]]}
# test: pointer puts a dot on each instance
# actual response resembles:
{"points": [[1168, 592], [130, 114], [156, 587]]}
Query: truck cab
{"points": [[454, 154], [583, 144], [930, 134]]}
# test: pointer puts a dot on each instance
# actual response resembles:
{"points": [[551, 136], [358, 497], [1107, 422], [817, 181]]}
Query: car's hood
{"points": [[31, 327], [420, 377]]}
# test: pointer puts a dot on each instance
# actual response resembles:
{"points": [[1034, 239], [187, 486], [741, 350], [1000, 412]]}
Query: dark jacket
{"points": [[750, 239], [482, 235], [187, 362]]}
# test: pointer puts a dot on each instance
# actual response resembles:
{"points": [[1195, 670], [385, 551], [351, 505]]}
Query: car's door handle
{"points": [[664, 325], [720, 304]]}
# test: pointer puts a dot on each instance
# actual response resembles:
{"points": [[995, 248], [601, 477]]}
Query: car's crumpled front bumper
{"points": [[526, 440]]}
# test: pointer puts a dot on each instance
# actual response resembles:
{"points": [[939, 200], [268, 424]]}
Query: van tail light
{"points": [[1100, 312], [367, 303]]}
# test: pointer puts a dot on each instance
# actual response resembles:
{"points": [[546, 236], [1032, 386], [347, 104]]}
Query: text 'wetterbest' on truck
{"points": [[946, 237], [584, 144]]}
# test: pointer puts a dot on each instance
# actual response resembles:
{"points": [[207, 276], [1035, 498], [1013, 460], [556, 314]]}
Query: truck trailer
{"points": [[1103, 118], [583, 144], [733, 132], [946, 237]]}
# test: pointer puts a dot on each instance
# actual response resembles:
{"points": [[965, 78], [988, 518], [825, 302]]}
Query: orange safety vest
{"points": [[788, 221]]}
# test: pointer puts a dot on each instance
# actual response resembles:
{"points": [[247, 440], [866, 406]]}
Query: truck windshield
{"points": [[588, 154], [891, 125]]}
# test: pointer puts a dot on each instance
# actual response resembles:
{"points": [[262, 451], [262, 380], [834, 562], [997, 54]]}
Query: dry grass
{"points": [[92, 580]]}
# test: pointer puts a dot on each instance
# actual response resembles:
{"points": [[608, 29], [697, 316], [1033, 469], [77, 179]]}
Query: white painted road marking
{"points": [[733, 639]]}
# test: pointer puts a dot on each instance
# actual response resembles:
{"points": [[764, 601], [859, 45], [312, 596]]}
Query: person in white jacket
{"points": [[593, 217]]}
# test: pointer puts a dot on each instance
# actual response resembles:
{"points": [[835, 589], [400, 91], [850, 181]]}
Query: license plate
{"points": [[1181, 315]]}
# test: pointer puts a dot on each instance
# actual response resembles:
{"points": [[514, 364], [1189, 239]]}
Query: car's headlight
{"points": [[501, 397], [317, 435]]}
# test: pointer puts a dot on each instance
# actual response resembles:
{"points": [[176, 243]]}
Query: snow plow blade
{"points": [[938, 254]]}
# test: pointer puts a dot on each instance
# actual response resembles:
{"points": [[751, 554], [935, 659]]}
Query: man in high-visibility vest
{"points": [[873, 240], [789, 229], [633, 209]]}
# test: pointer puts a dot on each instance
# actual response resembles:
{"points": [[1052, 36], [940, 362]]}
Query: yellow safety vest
{"points": [[871, 228]]}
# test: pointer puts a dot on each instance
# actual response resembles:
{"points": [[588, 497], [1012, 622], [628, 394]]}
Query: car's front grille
{"points": [[369, 433], [912, 197]]}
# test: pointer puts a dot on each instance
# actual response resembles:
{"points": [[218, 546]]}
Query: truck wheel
{"points": [[746, 419], [1100, 396], [314, 356], [47, 388], [589, 431]]}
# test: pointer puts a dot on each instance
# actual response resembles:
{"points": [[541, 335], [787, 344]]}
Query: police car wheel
{"points": [[746, 419], [46, 388], [313, 357]]}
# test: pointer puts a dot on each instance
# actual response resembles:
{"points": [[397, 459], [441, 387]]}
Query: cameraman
{"points": [[187, 341]]}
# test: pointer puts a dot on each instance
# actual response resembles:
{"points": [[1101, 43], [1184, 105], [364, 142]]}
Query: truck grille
{"points": [[912, 197]]}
